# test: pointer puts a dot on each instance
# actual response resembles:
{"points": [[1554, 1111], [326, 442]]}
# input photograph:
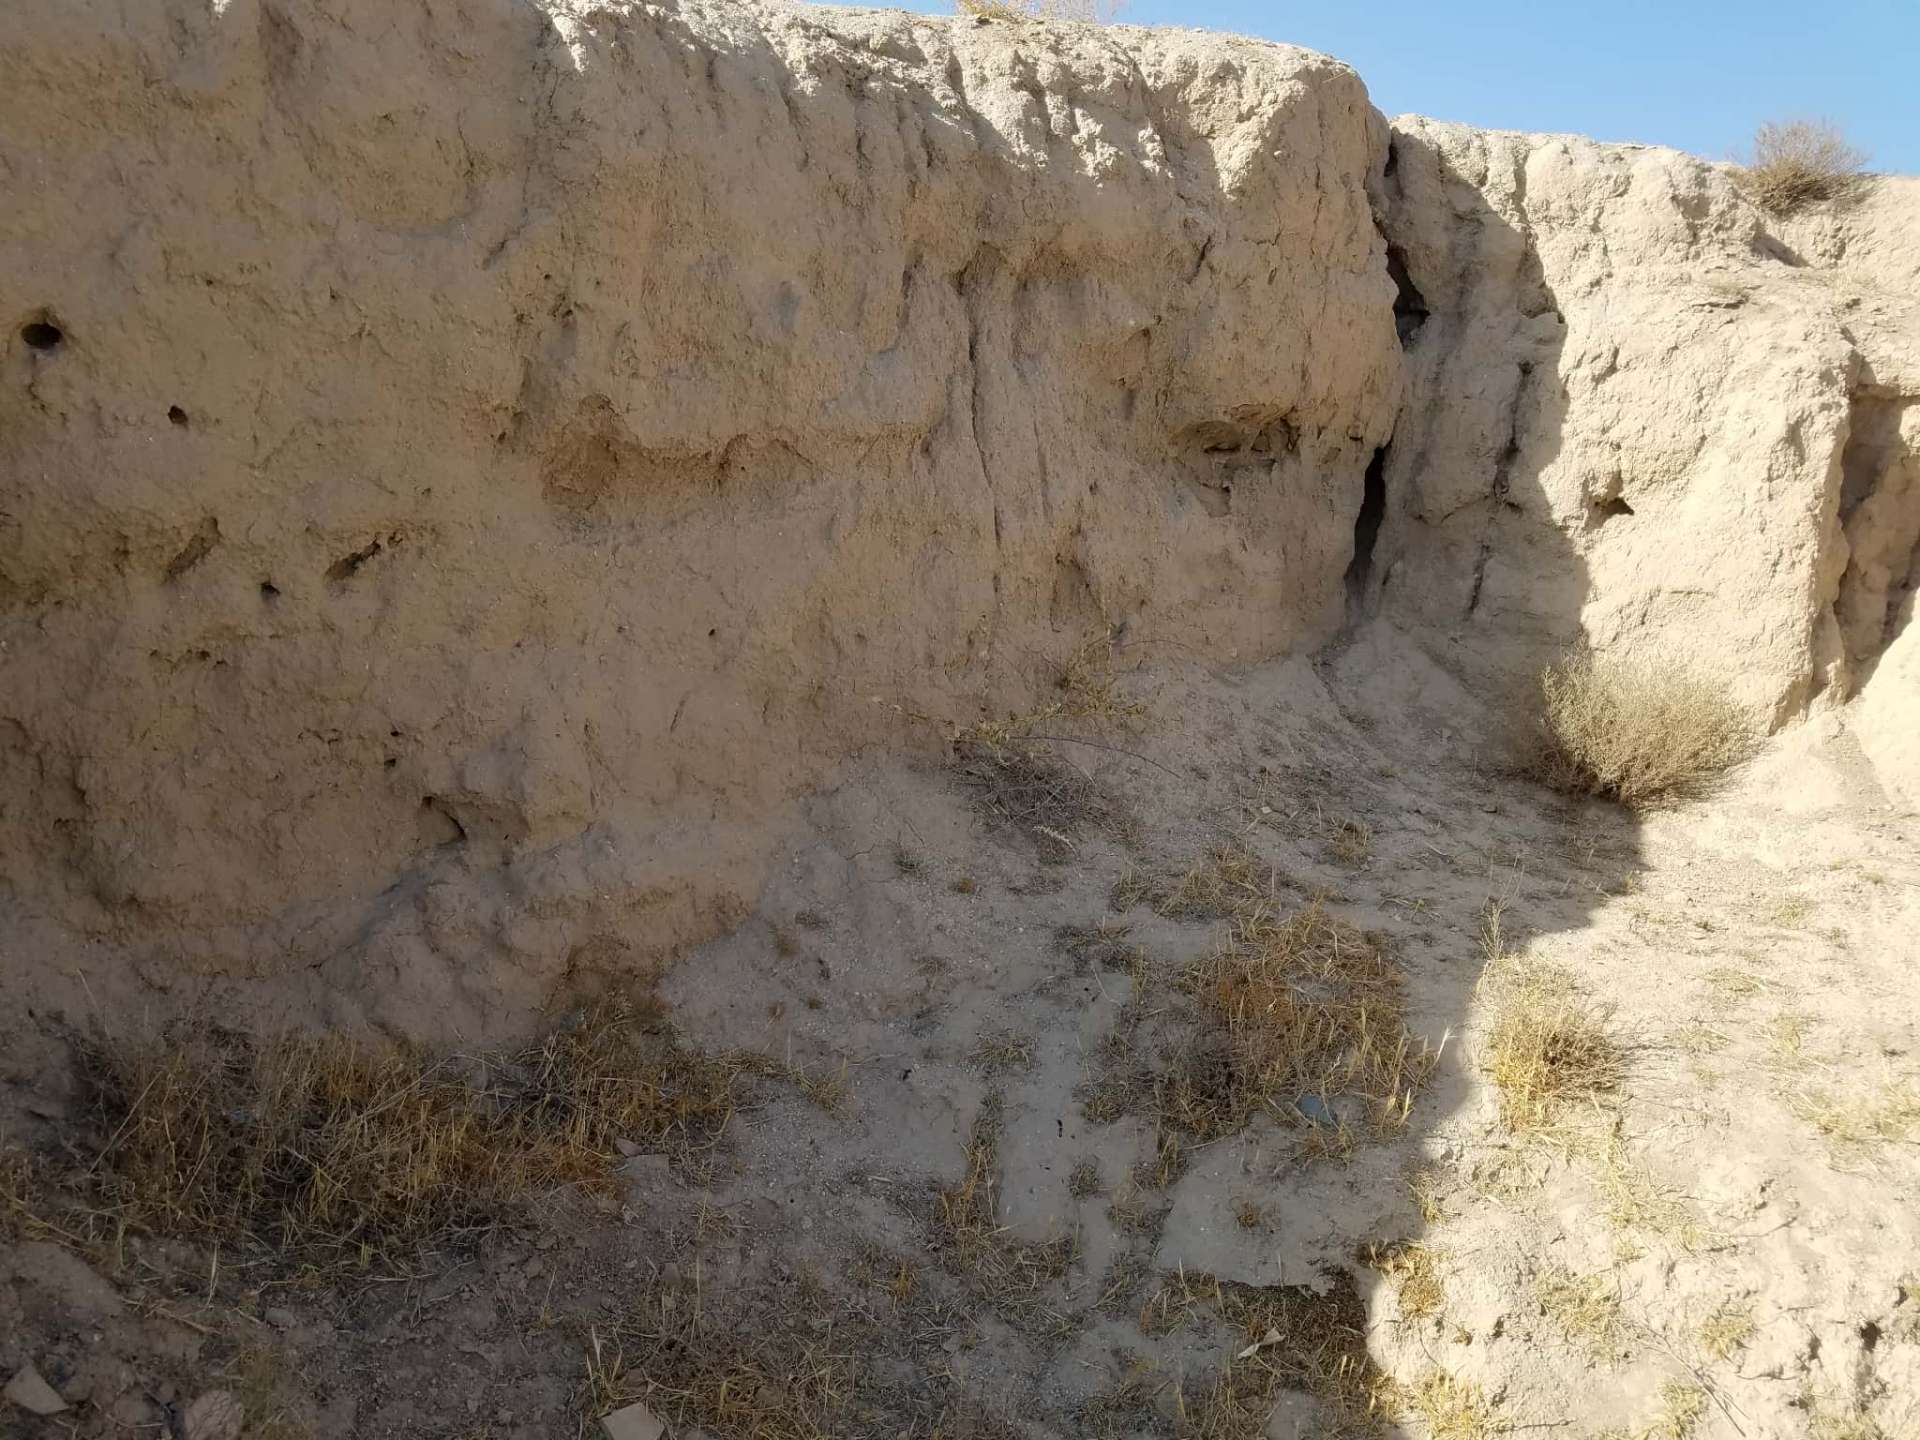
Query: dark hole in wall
{"points": [[176, 416], [1410, 310], [1366, 525], [42, 334]]}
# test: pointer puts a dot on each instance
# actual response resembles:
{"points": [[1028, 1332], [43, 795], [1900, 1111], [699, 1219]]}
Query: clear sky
{"points": [[1696, 74]]}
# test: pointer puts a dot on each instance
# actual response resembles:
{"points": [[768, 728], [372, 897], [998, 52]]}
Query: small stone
{"points": [[278, 1318], [634, 1422], [626, 1147], [32, 1393], [216, 1415], [1314, 1110]]}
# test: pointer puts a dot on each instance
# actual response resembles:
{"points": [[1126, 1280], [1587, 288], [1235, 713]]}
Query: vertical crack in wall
{"points": [[1366, 531]]}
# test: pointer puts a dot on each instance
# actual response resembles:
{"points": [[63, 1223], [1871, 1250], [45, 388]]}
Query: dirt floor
{"points": [[1003, 1170]]}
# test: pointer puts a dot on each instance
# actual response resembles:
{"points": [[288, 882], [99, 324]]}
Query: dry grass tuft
{"points": [[1351, 843], [1727, 1329], [1414, 1270], [1019, 785], [332, 1153], [1637, 732], [1426, 1187], [1001, 1050], [1548, 1047], [1800, 162], [1585, 1309], [1682, 1406], [1127, 1408], [1307, 1006], [1104, 946], [1824, 1423], [1084, 1179], [1449, 1407]]}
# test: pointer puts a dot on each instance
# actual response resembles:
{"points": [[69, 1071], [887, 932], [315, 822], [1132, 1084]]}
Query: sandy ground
{"points": [[1727, 1246]]}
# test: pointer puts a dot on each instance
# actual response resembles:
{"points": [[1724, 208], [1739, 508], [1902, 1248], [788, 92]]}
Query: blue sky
{"points": [[1697, 74]]}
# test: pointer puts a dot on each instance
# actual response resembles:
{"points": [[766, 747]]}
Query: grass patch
{"points": [[1291, 1339], [1638, 1204], [1226, 881], [1414, 1270], [1351, 843], [1426, 1187], [1586, 1310], [1449, 1407], [1011, 1275], [333, 1153], [1548, 1047], [1104, 946], [1305, 1006], [1797, 163], [1682, 1407], [1638, 732], [1887, 1115], [1726, 1330], [781, 1360], [1084, 1179], [997, 1051]]}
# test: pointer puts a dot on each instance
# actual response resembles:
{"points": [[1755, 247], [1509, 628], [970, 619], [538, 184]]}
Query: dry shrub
{"points": [[331, 1152], [1637, 732], [1799, 162], [1305, 1006], [1053, 802], [1014, 777], [1084, 11]]}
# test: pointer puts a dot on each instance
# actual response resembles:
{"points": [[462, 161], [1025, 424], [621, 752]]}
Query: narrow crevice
{"points": [[1366, 529], [1479, 575], [1410, 310], [197, 548]]}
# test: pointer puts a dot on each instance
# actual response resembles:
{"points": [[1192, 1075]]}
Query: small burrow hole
{"points": [[269, 590], [1604, 510], [177, 416], [42, 334]]}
